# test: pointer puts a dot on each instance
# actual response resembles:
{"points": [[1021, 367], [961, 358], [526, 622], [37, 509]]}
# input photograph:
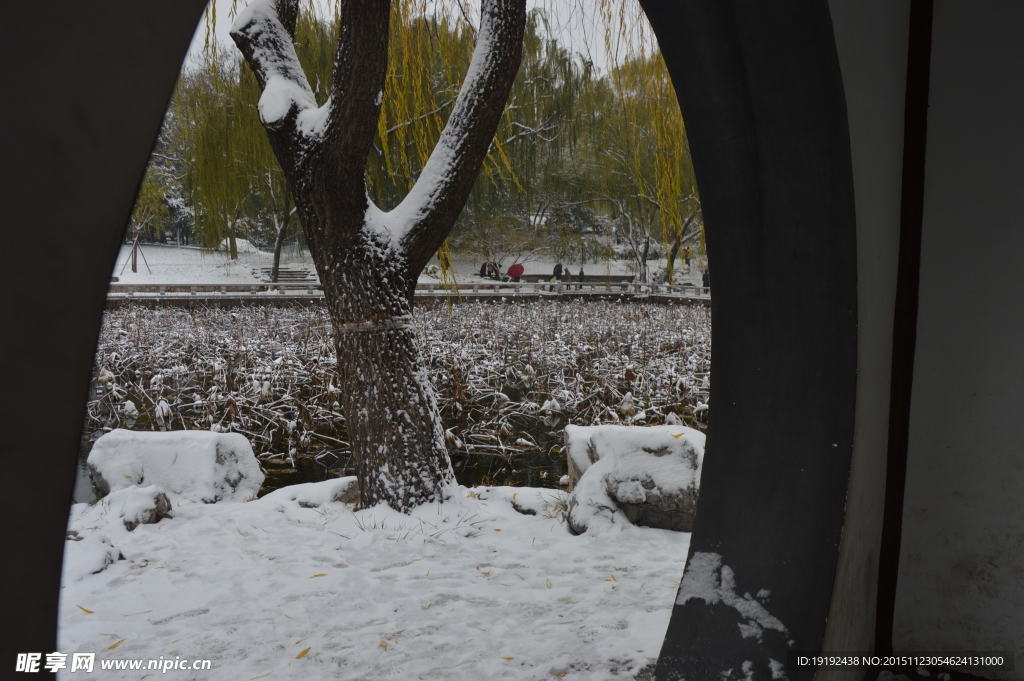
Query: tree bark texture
{"points": [[368, 260]]}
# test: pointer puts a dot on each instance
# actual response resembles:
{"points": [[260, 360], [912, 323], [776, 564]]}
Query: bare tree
{"points": [[369, 260]]}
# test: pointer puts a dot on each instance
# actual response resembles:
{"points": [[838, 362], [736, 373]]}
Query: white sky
{"points": [[579, 26]]}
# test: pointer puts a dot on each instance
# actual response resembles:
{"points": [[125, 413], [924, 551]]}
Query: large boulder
{"points": [[646, 475], [206, 466]]}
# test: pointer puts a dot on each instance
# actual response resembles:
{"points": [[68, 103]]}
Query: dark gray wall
{"points": [[85, 88], [961, 579], [760, 88], [871, 38]]}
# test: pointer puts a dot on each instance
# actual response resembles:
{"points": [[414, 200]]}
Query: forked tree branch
{"points": [[323, 150], [332, 142], [423, 220], [357, 88]]}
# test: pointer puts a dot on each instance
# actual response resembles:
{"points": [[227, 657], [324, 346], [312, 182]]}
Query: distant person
{"points": [[490, 270], [579, 278], [557, 272], [707, 282], [687, 254]]}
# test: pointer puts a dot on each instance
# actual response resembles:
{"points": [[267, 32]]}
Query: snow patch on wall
{"points": [[709, 580]]}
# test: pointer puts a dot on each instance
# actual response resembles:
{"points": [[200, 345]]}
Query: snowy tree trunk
{"points": [[644, 275], [368, 260], [390, 410], [232, 244], [389, 405], [282, 233]]}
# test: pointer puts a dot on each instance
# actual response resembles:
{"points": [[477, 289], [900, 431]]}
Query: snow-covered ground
{"points": [[292, 586], [160, 264], [190, 265], [469, 589]]}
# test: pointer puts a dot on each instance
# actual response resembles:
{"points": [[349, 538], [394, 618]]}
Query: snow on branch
{"points": [[547, 126], [267, 46], [420, 223]]}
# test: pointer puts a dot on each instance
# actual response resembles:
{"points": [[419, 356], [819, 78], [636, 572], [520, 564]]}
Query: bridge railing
{"points": [[429, 289], [570, 287]]}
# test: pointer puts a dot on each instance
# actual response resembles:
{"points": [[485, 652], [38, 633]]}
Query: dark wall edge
{"points": [[904, 342], [761, 91], [87, 87]]}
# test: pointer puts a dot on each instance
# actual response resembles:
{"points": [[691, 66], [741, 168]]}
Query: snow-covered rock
{"points": [[645, 475], [209, 466], [84, 556], [139, 505], [316, 494]]}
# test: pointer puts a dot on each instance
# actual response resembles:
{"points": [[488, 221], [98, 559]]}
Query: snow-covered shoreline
{"points": [[469, 589], [161, 264]]}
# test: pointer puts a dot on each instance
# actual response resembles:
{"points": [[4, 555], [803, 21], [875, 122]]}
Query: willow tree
{"points": [[151, 212], [626, 152], [537, 170], [368, 259], [584, 144], [643, 176]]}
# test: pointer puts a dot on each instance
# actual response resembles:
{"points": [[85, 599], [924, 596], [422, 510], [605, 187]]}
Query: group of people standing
{"points": [[491, 270], [559, 273]]}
